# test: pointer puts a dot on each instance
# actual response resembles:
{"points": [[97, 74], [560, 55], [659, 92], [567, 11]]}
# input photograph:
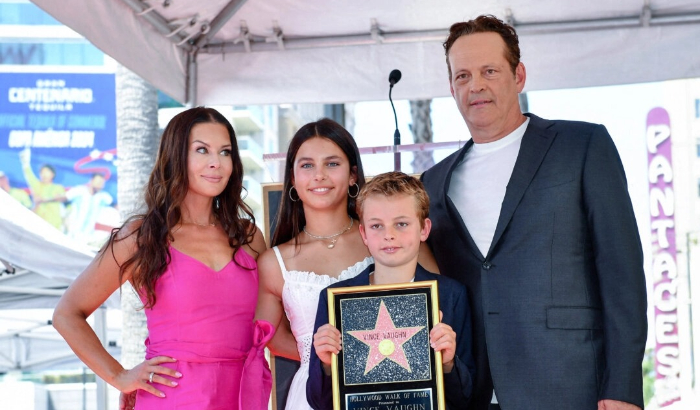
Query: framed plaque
{"points": [[386, 360]]}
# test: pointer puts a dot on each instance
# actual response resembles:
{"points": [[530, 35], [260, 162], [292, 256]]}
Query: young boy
{"points": [[393, 211]]}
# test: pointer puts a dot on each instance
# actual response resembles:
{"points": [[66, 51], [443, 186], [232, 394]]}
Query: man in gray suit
{"points": [[534, 217]]}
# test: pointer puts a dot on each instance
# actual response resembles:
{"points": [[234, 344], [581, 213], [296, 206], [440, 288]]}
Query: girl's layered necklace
{"points": [[333, 238]]}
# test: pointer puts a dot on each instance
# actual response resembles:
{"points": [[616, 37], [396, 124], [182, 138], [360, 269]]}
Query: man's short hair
{"points": [[395, 183], [485, 24]]}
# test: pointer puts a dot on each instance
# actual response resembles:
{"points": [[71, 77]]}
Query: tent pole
{"points": [[554, 27], [191, 79], [101, 330], [157, 21], [218, 22]]}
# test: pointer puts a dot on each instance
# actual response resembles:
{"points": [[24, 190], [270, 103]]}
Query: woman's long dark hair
{"points": [[290, 218], [165, 191]]}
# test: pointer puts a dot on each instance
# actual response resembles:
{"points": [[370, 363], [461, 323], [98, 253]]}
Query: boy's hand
{"points": [[444, 339], [327, 341]]}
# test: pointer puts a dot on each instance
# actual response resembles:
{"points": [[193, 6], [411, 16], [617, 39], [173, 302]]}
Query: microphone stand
{"points": [[397, 135]]}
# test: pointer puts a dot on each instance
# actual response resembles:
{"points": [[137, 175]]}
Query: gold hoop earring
{"points": [[290, 194], [356, 193]]}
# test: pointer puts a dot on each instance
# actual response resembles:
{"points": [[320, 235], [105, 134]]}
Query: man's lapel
{"points": [[452, 211], [533, 148]]}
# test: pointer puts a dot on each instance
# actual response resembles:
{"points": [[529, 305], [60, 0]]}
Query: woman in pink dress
{"points": [[192, 258]]}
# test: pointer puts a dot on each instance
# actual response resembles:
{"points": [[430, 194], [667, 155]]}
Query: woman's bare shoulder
{"points": [[270, 273], [267, 262], [123, 242], [257, 246], [129, 230]]}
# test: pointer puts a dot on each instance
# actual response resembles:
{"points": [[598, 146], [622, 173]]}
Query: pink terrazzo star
{"points": [[386, 340]]}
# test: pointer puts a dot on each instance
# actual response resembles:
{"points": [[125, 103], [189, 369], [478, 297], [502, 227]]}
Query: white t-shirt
{"points": [[479, 182]]}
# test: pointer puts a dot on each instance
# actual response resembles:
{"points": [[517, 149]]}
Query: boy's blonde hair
{"points": [[395, 183]]}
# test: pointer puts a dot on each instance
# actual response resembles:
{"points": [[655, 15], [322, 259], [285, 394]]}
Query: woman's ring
{"points": [[150, 377]]}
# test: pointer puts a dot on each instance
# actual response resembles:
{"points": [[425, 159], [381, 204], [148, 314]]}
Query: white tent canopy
{"points": [[325, 51], [37, 264], [39, 261]]}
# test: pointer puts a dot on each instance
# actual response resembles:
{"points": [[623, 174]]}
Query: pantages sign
{"points": [[664, 268]]}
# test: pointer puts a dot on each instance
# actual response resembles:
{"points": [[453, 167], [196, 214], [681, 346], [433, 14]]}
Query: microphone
{"points": [[394, 78]]}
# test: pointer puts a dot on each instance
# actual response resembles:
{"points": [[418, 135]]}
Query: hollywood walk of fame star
{"points": [[386, 340]]}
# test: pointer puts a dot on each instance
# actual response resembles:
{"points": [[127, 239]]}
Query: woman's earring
{"points": [[356, 193], [216, 203], [290, 194]]}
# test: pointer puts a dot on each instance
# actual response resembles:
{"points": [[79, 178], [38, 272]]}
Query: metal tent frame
{"points": [[328, 51]]}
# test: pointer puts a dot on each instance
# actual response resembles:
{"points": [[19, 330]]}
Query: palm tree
{"points": [[422, 129], [137, 145]]}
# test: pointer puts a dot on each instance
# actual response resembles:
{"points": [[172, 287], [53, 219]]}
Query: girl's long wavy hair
{"points": [[164, 193], [290, 217]]}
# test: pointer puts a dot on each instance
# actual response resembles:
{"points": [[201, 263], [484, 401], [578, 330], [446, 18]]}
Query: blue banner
{"points": [[58, 147]]}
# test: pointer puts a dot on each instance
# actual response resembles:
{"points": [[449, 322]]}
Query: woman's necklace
{"points": [[333, 238], [199, 224]]}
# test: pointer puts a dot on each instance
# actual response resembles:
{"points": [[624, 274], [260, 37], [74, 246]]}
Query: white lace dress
{"points": [[300, 300]]}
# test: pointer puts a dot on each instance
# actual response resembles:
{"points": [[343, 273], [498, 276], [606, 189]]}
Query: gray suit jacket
{"points": [[559, 300]]}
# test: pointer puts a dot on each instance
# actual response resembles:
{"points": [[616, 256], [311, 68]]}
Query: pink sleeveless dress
{"points": [[204, 319]]}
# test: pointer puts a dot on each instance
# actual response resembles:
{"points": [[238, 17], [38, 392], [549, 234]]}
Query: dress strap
{"points": [[280, 261]]}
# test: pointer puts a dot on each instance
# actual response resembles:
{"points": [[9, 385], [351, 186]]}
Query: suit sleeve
{"points": [[619, 267], [319, 390], [459, 382]]}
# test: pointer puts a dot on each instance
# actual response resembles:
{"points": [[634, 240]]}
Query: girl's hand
{"points": [[146, 375], [326, 342]]}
